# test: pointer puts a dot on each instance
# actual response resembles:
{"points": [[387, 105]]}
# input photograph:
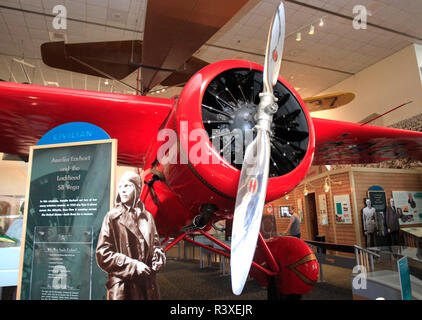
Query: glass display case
{"points": [[379, 275]]}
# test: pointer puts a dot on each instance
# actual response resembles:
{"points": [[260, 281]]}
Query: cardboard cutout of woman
{"points": [[128, 246]]}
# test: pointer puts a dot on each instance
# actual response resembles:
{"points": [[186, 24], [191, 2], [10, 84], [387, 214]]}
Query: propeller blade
{"points": [[252, 189], [248, 209], [274, 50]]}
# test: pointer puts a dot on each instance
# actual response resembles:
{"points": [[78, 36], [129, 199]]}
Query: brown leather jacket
{"points": [[120, 244]]}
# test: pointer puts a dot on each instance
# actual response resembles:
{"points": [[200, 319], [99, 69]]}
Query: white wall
{"points": [[418, 49], [381, 87], [12, 177]]}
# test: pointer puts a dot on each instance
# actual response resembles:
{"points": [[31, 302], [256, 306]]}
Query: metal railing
{"points": [[365, 257]]}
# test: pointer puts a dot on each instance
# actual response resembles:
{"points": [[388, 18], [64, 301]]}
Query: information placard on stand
{"points": [[404, 276], [69, 191]]}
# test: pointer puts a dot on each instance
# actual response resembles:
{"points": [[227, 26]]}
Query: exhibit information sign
{"points": [[404, 275], [343, 209], [378, 200], [323, 213], [69, 191], [409, 206]]}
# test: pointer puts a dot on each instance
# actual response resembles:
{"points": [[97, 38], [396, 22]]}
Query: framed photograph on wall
{"points": [[410, 205], [343, 209], [323, 213], [300, 209], [284, 212]]}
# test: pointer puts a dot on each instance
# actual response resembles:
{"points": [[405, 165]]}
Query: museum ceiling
{"points": [[334, 52]]}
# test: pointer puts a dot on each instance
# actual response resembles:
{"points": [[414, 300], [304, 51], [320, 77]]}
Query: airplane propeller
{"points": [[253, 180]]}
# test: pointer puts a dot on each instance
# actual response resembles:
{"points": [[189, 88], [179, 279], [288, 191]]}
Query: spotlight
{"points": [[326, 185], [305, 192], [312, 29], [106, 82], [298, 36], [321, 23]]}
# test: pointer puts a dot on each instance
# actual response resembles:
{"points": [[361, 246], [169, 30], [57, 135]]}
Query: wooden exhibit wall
{"points": [[390, 180], [352, 181]]}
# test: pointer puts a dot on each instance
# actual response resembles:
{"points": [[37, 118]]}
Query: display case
{"points": [[378, 276]]}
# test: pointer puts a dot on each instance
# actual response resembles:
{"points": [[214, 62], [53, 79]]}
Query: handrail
{"points": [[365, 259], [332, 246], [367, 251]]}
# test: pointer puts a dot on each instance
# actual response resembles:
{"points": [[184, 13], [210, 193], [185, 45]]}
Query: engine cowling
{"points": [[222, 98], [200, 175]]}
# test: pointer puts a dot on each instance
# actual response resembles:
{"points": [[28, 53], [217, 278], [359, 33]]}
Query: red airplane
{"points": [[188, 196]]}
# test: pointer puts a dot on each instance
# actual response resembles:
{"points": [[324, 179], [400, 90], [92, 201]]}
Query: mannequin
{"points": [[392, 221], [369, 223]]}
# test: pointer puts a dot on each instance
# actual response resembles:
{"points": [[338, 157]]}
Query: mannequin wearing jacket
{"points": [[128, 246], [369, 223], [392, 221]]}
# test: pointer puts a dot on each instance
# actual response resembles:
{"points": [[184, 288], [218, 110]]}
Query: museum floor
{"points": [[185, 280]]}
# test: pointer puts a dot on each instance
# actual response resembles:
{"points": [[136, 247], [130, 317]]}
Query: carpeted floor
{"points": [[185, 280]]}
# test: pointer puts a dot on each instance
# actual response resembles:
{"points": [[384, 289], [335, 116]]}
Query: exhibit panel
{"points": [[409, 205], [319, 211], [69, 191], [353, 185], [390, 180]]}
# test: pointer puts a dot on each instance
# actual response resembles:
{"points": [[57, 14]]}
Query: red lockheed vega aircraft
{"points": [[226, 95]]}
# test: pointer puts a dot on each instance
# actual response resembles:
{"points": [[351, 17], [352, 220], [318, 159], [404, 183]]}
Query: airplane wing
{"points": [[175, 30], [27, 112], [117, 59], [328, 101], [338, 142]]}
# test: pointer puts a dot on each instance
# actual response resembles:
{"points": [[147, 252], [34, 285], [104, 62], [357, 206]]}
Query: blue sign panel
{"points": [[406, 289], [375, 188], [73, 132]]}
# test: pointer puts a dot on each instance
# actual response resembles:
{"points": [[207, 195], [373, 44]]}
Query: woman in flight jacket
{"points": [[128, 246]]}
